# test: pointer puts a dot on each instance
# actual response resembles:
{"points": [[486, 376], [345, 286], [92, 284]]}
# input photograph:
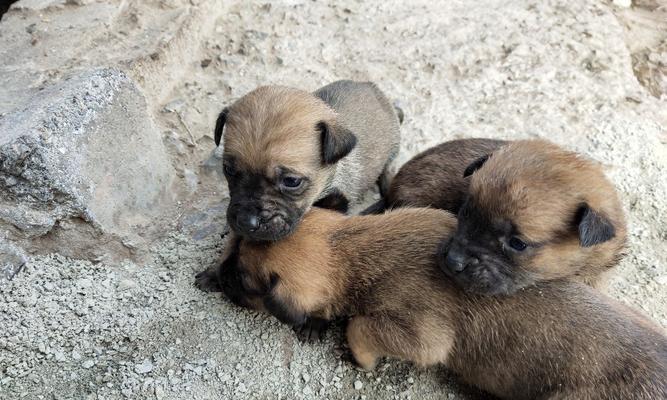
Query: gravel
{"points": [[556, 69]]}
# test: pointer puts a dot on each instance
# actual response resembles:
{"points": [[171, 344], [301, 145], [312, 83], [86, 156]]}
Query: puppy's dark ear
{"points": [[219, 125], [337, 142], [594, 228], [475, 165]]}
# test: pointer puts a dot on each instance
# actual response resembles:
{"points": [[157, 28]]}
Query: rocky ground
{"points": [[589, 75]]}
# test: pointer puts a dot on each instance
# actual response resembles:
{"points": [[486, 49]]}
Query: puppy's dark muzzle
{"points": [[247, 222], [454, 260], [259, 224]]}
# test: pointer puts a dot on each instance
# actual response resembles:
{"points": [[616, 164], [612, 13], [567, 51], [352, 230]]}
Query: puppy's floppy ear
{"points": [[336, 142], [219, 125], [594, 228], [475, 165]]}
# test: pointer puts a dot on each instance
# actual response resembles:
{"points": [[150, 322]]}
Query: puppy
{"points": [[556, 340], [287, 149], [435, 177], [534, 212]]}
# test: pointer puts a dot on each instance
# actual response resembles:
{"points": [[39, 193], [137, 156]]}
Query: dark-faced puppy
{"points": [[534, 212], [287, 149], [553, 341], [435, 178]]}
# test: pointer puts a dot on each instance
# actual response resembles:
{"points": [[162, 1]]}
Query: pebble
{"points": [[358, 385], [159, 393], [59, 356], [88, 364], [145, 367]]}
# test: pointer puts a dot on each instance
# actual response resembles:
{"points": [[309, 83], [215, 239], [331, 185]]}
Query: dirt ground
{"points": [[568, 71]]}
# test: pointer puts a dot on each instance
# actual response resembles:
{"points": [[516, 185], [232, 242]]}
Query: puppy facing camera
{"points": [[286, 149], [534, 212]]}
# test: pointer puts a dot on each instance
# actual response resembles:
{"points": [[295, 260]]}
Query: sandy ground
{"points": [[553, 69]]}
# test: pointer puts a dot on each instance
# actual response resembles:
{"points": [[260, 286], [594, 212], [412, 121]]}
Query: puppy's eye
{"points": [[291, 182], [229, 169], [517, 244]]}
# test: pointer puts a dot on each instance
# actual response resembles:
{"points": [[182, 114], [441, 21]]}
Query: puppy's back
{"points": [[434, 178], [559, 337], [364, 110]]}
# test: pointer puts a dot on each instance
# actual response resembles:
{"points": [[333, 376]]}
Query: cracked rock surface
{"points": [[75, 325]]}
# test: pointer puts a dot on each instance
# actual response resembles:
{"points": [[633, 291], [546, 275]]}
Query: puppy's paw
{"points": [[366, 360], [207, 280], [313, 330]]}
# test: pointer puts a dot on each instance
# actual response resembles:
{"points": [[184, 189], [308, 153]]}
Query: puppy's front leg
{"points": [[208, 279], [312, 330], [309, 325], [335, 200]]}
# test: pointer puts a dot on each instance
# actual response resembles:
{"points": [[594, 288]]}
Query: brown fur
{"points": [[536, 192], [556, 340], [434, 178], [337, 141]]}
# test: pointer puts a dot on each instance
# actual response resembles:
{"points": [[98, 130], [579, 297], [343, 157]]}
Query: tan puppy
{"points": [[435, 177], [556, 340], [286, 149], [534, 212]]}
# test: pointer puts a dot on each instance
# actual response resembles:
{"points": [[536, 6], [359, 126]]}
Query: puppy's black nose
{"points": [[248, 222], [455, 261]]}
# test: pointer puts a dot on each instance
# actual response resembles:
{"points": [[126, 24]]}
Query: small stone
{"points": [[159, 393], [306, 377], [59, 356], [205, 63], [358, 385], [411, 380], [623, 3], [145, 367], [75, 355], [88, 364], [661, 280], [126, 284]]}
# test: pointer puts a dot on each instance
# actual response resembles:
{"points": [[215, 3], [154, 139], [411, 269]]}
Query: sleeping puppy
{"points": [[534, 212], [435, 177], [286, 149], [555, 340]]}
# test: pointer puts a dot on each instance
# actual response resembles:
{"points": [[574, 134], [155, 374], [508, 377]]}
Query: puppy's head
{"points": [[534, 212], [280, 149]]}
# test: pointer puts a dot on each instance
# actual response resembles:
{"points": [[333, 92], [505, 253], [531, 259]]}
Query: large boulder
{"points": [[82, 167], [84, 170]]}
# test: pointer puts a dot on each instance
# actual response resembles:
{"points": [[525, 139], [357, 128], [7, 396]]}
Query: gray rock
{"points": [[12, 260], [82, 164]]}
